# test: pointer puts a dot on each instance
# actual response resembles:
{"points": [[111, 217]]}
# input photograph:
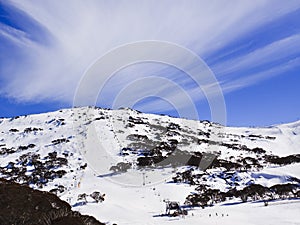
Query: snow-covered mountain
{"points": [[216, 174]]}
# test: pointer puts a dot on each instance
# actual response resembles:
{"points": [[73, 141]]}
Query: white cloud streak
{"points": [[273, 52], [260, 76], [81, 31]]}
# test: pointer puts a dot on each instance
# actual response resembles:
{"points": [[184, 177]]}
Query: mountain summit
{"points": [[131, 168]]}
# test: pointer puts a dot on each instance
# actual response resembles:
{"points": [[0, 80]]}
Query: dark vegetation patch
{"points": [[203, 133], [174, 209], [5, 151], [44, 169], [14, 118], [25, 147], [255, 136], [32, 129], [59, 141], [205, 196], [145, 147], [13, 130], [270, 138], [137, 137], [121, 167], [283, 160], [173, 126], [57, 122], [137, 120], [100, 118], [187, 177], [96, 196], [176, 158], [229, 166], [157, 128], [22, 205]]}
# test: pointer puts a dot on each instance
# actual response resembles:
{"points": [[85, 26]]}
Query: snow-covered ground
{"points": [[97, 136], [127, 205]]}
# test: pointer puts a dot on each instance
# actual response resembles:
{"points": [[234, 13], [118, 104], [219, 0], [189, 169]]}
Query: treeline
{"points": [[205, 196]]}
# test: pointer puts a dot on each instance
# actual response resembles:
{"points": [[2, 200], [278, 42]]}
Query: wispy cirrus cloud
{"points": [[77, 33], [253, 78], [272, 53]]}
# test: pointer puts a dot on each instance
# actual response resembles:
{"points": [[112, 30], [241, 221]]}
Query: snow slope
{"points": [[102, 138]]}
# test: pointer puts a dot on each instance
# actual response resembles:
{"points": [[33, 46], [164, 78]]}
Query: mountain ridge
{"points": [[127, 108], [80, 151]]}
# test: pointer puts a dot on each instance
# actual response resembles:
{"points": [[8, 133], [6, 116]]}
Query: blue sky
{"points": [[252, 47]]}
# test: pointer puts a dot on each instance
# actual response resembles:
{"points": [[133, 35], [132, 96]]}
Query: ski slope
{"points": [[96, 137]]}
